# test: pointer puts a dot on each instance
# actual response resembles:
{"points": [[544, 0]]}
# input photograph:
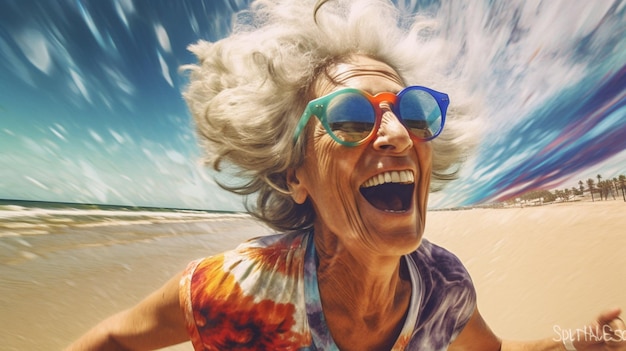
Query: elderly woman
{"points": [[322, 113]]}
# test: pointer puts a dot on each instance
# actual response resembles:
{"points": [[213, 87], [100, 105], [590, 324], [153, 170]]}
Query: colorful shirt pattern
{"points": [[264, 296]]}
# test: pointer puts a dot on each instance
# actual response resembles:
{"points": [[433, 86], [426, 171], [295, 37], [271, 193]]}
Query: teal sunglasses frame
{"points": [[318, 108]]}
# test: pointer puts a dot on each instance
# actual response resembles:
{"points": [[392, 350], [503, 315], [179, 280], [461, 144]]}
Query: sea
{"points": [[30, 229]]}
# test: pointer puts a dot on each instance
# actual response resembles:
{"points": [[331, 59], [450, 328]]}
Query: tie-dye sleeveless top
{"points": [[264, 296]]}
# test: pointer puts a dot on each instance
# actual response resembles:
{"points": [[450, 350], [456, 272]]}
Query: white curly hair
{"points": [[247, 91]]}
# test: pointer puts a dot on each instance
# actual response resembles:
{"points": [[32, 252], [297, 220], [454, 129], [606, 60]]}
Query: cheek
{"points": [[330, 161], [329, 168], [425, 155], [425, 159]]}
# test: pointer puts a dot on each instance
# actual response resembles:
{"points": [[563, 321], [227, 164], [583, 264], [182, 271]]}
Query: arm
{"points": [[155, 322], [476, 336], [610, 335]]}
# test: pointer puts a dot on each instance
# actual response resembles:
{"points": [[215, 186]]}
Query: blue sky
{"points": [[91, 108]]}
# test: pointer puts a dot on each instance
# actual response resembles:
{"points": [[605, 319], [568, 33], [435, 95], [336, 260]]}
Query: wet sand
{"points": [[534, 268], [54, 297]]}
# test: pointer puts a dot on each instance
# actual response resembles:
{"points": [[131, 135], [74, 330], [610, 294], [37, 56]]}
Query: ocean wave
{"points": [[18, 220], [31, 233]]}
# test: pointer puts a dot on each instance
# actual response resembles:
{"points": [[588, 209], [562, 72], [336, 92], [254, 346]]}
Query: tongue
{"points": [[389, 202]]}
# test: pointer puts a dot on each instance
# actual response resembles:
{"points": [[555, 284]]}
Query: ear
{"points": [[299, 193]]}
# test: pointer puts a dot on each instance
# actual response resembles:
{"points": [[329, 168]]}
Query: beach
{"points": [[537, 270]]}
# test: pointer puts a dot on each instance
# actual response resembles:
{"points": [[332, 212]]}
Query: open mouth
{"points": [[390, 191]]}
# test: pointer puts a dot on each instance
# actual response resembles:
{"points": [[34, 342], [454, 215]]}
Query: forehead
{"points": [[359, 72]]}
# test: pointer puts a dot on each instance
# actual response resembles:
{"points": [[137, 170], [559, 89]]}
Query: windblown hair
{"points": [[248, 90]]}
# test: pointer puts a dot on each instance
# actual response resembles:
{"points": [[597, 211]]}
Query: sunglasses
{"points": [[351, 116]]}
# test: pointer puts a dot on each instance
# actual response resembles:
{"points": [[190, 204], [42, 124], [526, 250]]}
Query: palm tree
{"points": [[622, 184], [559, 194], [613, 187], [606, 188], [590, 184], [600, 185], [581, 187]]}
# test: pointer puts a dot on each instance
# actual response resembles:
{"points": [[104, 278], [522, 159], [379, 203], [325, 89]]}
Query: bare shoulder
{"points": [[476, 336]]}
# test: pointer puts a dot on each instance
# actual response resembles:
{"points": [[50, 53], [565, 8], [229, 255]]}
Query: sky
{"points": [[91, 108]]}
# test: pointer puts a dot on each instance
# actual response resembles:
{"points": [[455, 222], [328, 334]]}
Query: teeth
{"points": [[404, 177]]}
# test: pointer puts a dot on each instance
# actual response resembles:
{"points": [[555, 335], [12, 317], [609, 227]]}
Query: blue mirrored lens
{"points": [[350, 116], [420, 113]]}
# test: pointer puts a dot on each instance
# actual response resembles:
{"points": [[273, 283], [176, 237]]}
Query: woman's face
{"points": [[387, 219]]}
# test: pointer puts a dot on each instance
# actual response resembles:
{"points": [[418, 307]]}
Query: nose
{"points": [[392, 135]]}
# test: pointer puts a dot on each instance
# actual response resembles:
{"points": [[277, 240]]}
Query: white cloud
{"points": [[163, 38], [36, 182], [35, 48], [78, 81], [96, 136], [92, 25], [165, 71], [176, 157], [94, 185], [118, 137], [119, 80], [58, 134], [123, 9]]}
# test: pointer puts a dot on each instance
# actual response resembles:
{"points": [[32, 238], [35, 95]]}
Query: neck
{"points": [[361, 280], [361, 292]]}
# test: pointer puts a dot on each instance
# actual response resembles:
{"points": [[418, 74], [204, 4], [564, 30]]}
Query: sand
{"points": [[534, 268], [538, 269]]}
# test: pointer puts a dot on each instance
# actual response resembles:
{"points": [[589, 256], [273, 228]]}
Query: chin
{"points": [[400, 241]]}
